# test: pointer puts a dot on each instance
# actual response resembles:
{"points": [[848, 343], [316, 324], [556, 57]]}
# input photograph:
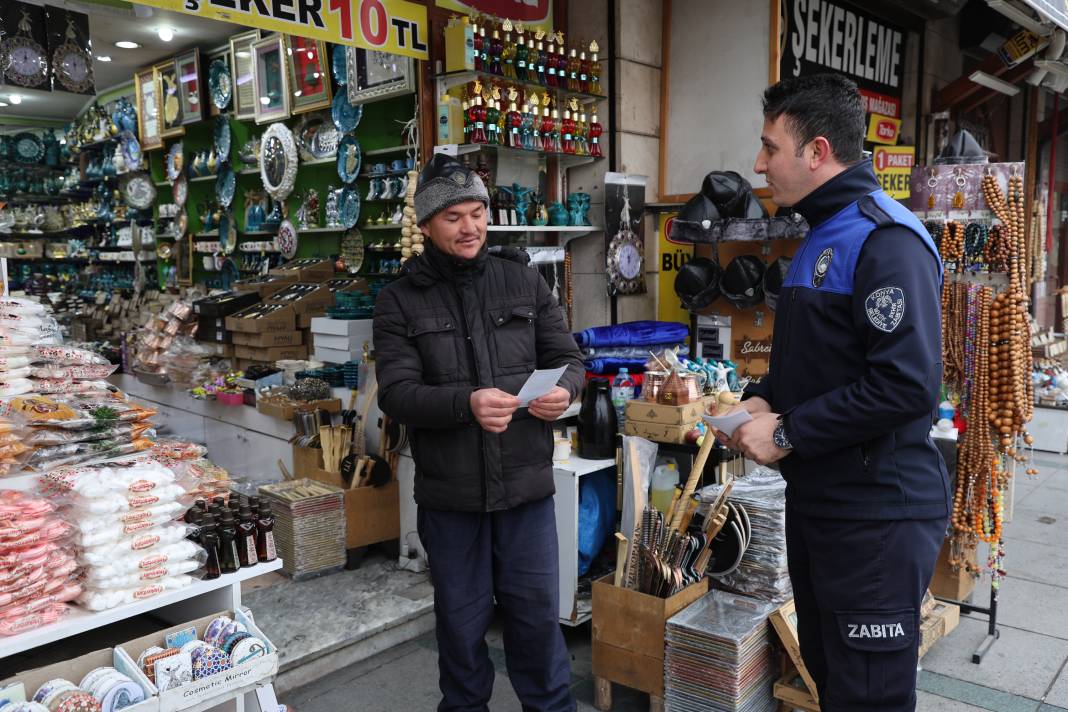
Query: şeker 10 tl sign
{"points": [[394, 26]]}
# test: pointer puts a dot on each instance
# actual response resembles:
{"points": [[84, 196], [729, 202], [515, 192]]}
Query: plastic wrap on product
{"points": [[15, 387], [22, 305], [135, 477], [12, 363], [46, 458], [50, 386], [65, 355], [21, 624], [13, 373], [40, 436], [116, 502], [102, 600], [141, 543], [77, 373], [111, 529], [133, 578], [76, 411], [178, 450]]}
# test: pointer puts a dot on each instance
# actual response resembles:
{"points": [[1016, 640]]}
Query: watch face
{"points": [[26, 65], [26, 61], [74, 66], [630, 261]]}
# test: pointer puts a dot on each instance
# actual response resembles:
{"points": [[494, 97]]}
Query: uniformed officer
{"points": [[848, 404]]}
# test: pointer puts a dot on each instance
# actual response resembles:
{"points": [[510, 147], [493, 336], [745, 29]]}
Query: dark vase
{"points": [[597, 422]]}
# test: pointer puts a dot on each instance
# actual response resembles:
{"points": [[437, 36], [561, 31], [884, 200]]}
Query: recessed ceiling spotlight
{"points": [[126, 44], [166, 34], [3, 103], [15, 99], [103, 58]]}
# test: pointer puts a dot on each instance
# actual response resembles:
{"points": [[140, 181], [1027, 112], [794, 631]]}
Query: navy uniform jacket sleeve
{"points": [[402, 394], [904, 364]]}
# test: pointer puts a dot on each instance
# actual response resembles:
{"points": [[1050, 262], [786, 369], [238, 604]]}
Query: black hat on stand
{"points": [[698, 283], [743, 281]]}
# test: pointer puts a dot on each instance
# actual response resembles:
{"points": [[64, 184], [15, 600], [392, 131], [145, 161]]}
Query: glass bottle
{"points": [[526, 130], [478, 121], [509, 52], [209, 539], [594, 131], [265, 550], [573, 69], [468, 123], [594, 86], [493, 117], [557, 147], [546, 131], [567, 129], [254, 505], [513, 122], [481, 50], [522, 56], [496, 47], [536, 57], [246, 538], [561, 61], [584, 72], [228, 558], [550, 63], [197, 521], [580, 135]]}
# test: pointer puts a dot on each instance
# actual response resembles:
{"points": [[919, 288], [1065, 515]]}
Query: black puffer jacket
{"points": [[446, 329]]}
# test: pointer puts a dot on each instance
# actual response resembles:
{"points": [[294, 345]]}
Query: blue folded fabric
{"points": [[612, 365], [634, 333], [630, 351]]}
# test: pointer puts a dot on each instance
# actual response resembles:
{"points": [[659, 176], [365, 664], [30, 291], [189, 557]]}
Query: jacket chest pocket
{"points": [[435, 337], [513, 335]]}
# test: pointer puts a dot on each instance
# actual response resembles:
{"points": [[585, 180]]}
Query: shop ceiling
{"points": [[109, 23]]}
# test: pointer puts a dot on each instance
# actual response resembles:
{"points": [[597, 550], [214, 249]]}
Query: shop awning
{"points": [[1055, 12]]}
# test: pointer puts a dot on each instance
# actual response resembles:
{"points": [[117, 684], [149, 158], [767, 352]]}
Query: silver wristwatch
{"points": [[779, 436]]}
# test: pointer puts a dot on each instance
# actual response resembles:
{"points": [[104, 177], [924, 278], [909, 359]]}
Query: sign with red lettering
{"points": [[883, 129], [893, 169], [529, 12]]}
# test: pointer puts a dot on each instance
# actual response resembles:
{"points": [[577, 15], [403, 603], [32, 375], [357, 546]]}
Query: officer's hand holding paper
{"points": [[730, 422]]}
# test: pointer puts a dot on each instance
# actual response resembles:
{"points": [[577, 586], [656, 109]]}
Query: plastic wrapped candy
{"points": [[115, 502], [77, 373], [21, 305], [141, 577], [9, 364], [103, 530], [71, 453], [136, 477], [103, 599], [21, 624], [142, 543], [50, 386], [65, 355], [42, 435]]}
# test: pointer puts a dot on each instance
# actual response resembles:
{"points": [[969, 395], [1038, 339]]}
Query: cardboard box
{"points": [[372, 514], [210, 691], [656, 432], [459, 48], [333, 355], [315, 301], [285, 338], [285, 412], [77, 668], [215, 322], [228, 351], [305, 270], [628, 633], [790, 688], [215, 336], [271, 354], [304, 320], [947, 583], [274, 379], [353, 329], [263, 285], [649, 412], [253, 321], [942, 621], [347, 284]]}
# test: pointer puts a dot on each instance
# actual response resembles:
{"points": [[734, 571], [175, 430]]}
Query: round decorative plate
{"points": [[175, 162], [138, 190], [131, 149], [349, 158], [181, 226], [346, 116], [338, 65], [352, 250], [278, 161], [28, 148], [227, 234], [220, 84], [318, 137], [286, 239], [222, 138], [181, 190], [225, 185], [163, 250], [348, 206], [229, 273]]}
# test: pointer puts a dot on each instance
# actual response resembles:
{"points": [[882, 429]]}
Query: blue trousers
{"points": [[510, 556], [858, 587]]}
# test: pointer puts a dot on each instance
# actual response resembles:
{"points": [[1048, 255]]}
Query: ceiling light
{"points": [[14, 99], [1020, 17], [991, 82], [3, 103], [103, 58], [126, 44], [166, 34]]}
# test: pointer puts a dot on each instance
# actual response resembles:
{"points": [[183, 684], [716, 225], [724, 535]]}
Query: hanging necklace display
{"points": [[932, 184], [27, 62], [72, 64], [958, 197]]}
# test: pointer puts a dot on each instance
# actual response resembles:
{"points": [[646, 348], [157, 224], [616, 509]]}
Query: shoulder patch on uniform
{"points": [[870, 209], [885, 308], [822, 267]]}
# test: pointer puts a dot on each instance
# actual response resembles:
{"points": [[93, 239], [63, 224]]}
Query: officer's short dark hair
{"points": [[827, 105]]}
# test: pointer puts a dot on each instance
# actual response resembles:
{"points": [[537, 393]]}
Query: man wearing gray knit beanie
{"points": [[455, 337]]}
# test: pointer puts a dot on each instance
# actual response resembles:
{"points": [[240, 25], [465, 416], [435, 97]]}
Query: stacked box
{"points": [[341, 340]]}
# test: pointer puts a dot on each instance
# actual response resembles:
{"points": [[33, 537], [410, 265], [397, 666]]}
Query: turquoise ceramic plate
{"points": [[220, 85], [349, 158], [349, 207], [225, 185], [346, 116]]}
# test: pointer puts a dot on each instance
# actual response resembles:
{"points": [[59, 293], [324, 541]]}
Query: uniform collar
{"points": [[847, 187]]}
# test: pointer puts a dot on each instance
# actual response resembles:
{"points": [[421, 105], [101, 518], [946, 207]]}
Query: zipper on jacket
{"points": [[864, 455], [478, 384]]}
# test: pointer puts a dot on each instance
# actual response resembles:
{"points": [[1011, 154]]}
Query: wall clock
{"points": [[626, 256], [27, 62], [72, 64]]}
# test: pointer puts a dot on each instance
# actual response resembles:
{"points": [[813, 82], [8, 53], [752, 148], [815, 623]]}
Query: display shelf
{"points": [[315, 230], [448, 80], [569, 160], [394, 226], [26, 258], [390, 150], [201, 179], [252, 170], [543, 228], [739, 230], [7, 165], [39, 198], [100, 143], [391, 201], [387, 174], [98, 180], [380, 274], [320, 161], [80, 620]]}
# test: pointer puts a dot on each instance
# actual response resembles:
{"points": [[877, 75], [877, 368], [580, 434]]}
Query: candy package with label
{"points": [[136, 476], [14, 367], [46, 458], [99, 530], [101, 600], [77, 373], [141, 543], [15, 387], [22, 305], [40, 436], [53, 386], [76, 411], [66, 356], [101, 576], [115, 502], [141, 577], [21, 624]]}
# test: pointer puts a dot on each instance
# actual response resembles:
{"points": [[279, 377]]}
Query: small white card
{"points": [[540, 383], [727, 424]]}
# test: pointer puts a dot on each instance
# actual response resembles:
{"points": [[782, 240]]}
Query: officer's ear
{"points": [[819, 152]]}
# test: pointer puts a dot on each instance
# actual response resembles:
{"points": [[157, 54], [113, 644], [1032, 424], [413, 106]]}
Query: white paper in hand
{"points": [[727, 424], [540, 383]]}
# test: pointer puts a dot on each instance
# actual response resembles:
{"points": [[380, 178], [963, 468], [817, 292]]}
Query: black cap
{"points": [[743, 281], [697, 284], [727, 189]]}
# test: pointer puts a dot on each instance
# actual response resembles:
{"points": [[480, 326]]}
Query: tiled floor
{"points": [[1026, 670]]}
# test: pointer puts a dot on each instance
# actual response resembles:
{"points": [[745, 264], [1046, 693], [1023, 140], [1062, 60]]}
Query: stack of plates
{"points": [[762, 572], [309, 529], [718, 656]]}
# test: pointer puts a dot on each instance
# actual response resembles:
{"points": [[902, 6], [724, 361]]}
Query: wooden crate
{"points": [[947, 583], [942, 621], [628, 638]]}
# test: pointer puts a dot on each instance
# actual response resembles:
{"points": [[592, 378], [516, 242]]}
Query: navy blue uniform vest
{"points": [[856, 360]]}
